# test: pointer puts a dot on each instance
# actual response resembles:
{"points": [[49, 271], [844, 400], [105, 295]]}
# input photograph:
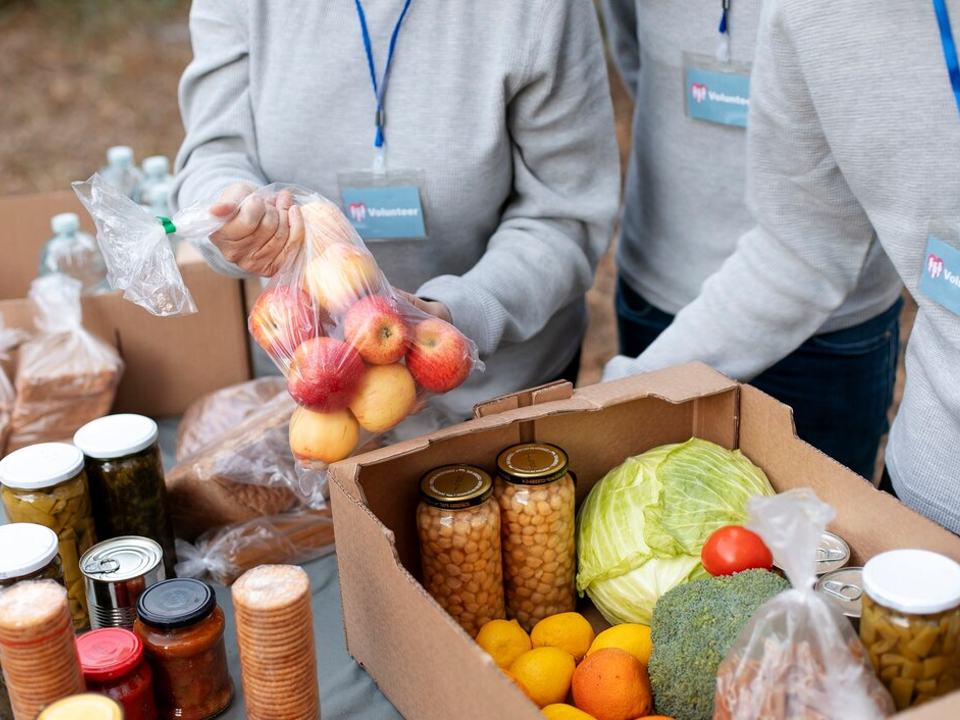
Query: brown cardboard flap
{"points": [[559, 390], [410, 623]]}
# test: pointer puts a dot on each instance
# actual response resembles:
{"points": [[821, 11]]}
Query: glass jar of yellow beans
{"points": [[46, 484], [910, 624]]}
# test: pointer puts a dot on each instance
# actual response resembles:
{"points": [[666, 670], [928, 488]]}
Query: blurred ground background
{"points": [[78, 76]]}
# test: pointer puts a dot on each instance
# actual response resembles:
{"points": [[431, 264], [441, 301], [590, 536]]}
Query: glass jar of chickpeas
{"points": [[537, 505], [459, 526], [910, 624]]}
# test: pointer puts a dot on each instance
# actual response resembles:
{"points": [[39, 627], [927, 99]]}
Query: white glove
{"points": [[619, 367]]}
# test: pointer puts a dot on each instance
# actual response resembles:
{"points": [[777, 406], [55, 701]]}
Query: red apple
{"points": [[375, 327], [324, 374], [323, 437], [386, 396], [439, 357], [340, 276], [281, 319]]}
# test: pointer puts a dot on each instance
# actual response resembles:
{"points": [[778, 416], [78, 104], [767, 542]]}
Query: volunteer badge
{"points": [[389, 212], [940, 276], [718, 97]]}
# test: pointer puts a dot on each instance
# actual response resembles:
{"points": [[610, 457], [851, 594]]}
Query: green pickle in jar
{"points": [[125, 472], [459, 527], [537, 500], [910, 624], [27, 552], [46, 484]]}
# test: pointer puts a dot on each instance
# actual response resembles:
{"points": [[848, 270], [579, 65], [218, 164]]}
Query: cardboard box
{"points": [[170, 362], [422, 660]]}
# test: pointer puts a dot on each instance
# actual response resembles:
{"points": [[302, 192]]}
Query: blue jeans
{"points": [[839, 384]]}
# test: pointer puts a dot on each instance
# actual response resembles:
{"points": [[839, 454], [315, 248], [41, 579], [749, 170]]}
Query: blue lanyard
{"points": [[949, 47], [725, 4], [723, 51], [379, 90]]}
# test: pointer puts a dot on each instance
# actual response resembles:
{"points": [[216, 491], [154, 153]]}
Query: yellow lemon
{"points": [[632, 637], [545, 673], [504, 641], [568, 631], [562, 711]]}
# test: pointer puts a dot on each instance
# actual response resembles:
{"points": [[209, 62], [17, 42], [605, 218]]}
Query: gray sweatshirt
{"points": [[502, 105], [684, 204], [854, 140]]}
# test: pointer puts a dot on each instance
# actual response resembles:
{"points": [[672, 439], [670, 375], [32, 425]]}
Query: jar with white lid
{"points": [[910, 624], [46, 484], [125, 471]]}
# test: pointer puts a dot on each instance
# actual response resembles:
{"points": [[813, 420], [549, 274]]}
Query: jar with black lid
{"points": [[125, 471], [182, 627]]}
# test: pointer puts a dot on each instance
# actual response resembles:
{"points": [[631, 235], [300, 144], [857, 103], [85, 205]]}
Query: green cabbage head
{"points": [[641, 528]]}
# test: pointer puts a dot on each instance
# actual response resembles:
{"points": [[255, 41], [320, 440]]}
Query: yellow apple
{"points": [[325, 225], [323, 437], [340, 276], [387, 394]]}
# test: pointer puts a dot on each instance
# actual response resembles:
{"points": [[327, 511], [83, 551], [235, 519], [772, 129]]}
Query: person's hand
{"points": [[430, 307], [261, 234], [620, 367]]}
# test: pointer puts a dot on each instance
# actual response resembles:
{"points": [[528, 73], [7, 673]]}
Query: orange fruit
{"points": [[546, 673], [568, 631], [513, 679], [611, 684], [504, 641], [562, 711], [632, 637]]}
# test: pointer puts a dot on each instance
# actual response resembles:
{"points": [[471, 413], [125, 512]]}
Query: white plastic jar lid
{"points": [[913, 581], [25, 548], [116, 436], [40, 466]]}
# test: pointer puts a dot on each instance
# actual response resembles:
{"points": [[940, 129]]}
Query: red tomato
{"points": [[733, 549]]}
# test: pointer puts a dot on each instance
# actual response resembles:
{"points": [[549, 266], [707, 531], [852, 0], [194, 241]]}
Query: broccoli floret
{"points": [[692, 629]]}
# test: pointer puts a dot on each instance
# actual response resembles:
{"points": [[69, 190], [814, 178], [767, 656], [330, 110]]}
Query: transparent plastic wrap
{"points": [[246, 472], [135, 247], [10, 338], [798, 658], [66, 377], [224, 554], [218, 412]]}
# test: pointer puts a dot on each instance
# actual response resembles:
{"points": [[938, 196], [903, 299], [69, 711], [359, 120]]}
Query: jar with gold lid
{"points": [[537, 501], [86, 706], [910, 624], [458, 522], [46, 484]]}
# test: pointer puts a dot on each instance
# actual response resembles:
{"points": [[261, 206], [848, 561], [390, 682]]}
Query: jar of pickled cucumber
{"points": [[537, 505], [46, 484], [27, 552], [910, 623], [459, 526], [125, 472]]}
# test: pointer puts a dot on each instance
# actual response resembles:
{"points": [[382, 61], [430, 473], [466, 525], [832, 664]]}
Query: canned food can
{"points": [[832, 554], [844, 589], [116, 572]]}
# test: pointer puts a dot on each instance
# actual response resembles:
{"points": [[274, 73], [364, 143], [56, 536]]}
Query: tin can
{"points": [[832, 554], [844, 589], [116, 572]]}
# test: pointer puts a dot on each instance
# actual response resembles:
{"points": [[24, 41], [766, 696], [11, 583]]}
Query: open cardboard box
{"points": [[170, 362], [423, 660]]}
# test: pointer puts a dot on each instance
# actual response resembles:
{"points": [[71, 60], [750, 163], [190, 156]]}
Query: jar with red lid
{"points": [[182, 627], [113, 664]]}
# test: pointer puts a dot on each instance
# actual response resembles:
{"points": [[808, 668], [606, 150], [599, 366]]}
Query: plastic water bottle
{"points": [[75, 253], [155, 190], [122, 173]]}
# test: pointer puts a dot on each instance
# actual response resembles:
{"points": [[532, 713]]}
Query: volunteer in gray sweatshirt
{"points": [[854, 141], [496, 124], [684, 210]]}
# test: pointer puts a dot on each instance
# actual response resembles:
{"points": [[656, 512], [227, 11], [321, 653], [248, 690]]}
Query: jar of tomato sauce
{"points": [[181, 627], [113, 664]]}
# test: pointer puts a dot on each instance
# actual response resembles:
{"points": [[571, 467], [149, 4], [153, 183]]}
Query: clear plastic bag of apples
{"points": [[359, 358]]}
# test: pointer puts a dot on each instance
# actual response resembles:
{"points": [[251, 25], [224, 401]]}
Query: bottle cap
{"points": [[25, 548], [532, 463], [917, 582], [454, 487], [116, 436], [156, 166], [108, 653], [65, 223], [120, 155], [176, 603], [40, 466]]}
